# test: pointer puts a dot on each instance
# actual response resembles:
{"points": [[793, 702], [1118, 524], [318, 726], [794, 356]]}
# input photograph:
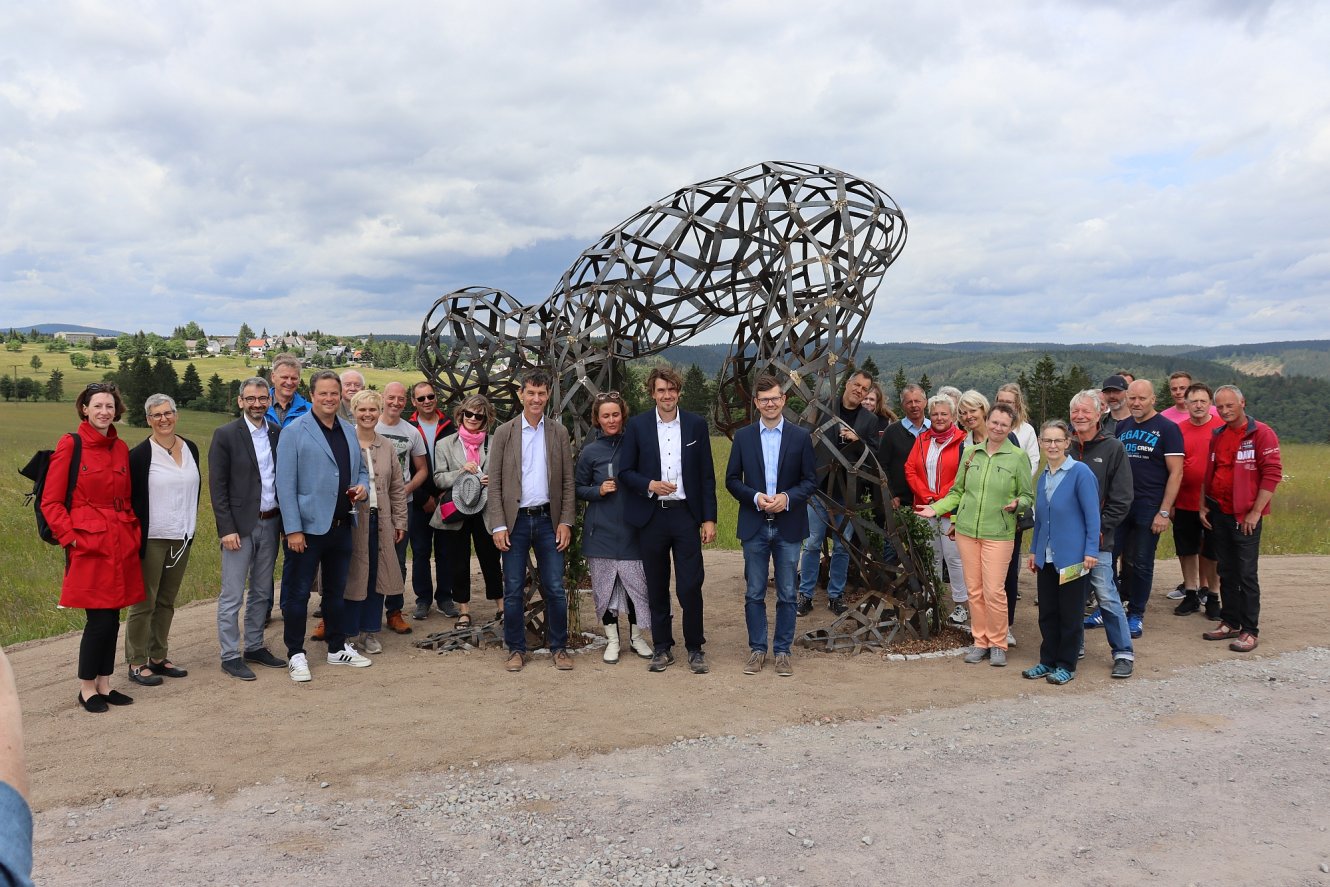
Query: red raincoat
{"points": [[102, 571]]}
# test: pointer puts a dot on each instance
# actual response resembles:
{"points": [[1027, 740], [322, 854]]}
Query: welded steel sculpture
{"points": [[790, 253]]}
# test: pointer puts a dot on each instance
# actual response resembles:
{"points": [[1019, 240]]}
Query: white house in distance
{"points": [[257, 347], [74, 338]]}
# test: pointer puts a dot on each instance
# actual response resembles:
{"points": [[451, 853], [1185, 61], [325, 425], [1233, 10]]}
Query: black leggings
{"points": [[1013, 577], [611, 618], [97, 648]]}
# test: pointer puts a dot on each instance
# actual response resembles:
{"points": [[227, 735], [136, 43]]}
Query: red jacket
{"points": [[916, 466], [1257, 466], [102, 571]]}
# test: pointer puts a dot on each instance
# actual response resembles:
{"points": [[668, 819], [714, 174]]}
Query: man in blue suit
{"points": [[772, 473], [665, 465], [320, 473]]}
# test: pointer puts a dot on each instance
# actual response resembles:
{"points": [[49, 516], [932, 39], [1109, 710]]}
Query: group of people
{"points": [[343, 482]]}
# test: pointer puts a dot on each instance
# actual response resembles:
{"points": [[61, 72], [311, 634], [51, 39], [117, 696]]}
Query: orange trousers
{"points": [[984, 563]]}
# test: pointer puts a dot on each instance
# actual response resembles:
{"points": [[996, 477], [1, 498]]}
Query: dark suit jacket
{"points": [[233, 476], [140, 462], [639, 465], [796, 475]]}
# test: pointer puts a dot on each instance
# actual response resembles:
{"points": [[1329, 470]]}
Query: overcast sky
{"points": [[1080, 171]]}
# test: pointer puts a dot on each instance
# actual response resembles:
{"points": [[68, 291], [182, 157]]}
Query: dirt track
{"points": [[377, 732]]}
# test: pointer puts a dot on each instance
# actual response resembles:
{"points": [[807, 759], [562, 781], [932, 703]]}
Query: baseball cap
{"points": [[1114, 383]]}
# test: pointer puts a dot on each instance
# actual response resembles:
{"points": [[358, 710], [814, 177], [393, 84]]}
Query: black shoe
{"points": [[96, 705], [1191, 603], [661, 661], [804, 607], [143, 676], [697, 661], [169, 671], [1122, 668], [264, 658], [421, 611], [115, 697], [1212, 606], [450, 610], [237, 668], [837, 605]]}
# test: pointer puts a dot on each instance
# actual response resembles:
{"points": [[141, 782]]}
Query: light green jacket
{"points": [[984, 485]]}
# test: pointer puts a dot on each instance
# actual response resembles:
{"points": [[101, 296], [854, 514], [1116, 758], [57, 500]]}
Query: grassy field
{"points": [[229, 368], [30, 570]]}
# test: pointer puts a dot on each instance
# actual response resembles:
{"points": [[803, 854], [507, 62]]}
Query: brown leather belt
{"points": [[269, 514]]}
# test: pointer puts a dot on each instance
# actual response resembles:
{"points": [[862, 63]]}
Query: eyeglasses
{"points": [[769, 401], [426, 398], [102, 388], [467, 414], [251, 400], [157, 417], [1053, 441]]}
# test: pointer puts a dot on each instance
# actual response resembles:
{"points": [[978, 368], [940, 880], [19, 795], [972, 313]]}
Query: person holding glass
{"points": [[164, 476], [1062, 553], [992, 485], [618, 582]]}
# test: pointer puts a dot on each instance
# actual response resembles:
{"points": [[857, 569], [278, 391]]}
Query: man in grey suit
{"points": [[531, 509], [242, 481]]}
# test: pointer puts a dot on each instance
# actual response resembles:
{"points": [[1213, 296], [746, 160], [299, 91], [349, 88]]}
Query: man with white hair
{"points": [[353, 382]]}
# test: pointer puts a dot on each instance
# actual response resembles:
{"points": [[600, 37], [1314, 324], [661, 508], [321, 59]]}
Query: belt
{"points": [[269, 514], [771, 518], [373, 510], [535, 510], [673, 503]]}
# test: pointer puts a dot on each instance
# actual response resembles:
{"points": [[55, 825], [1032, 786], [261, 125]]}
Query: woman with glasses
{"points": [[1063, 552], [992, 485], [96, 526], [618, 582], [164, 472], [380, 524], [468, 451]]}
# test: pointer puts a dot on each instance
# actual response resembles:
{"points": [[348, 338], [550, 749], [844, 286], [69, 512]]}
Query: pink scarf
{"points": [[471, 443]]}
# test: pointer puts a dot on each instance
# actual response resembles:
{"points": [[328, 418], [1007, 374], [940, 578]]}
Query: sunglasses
{"points": [[102, 387], [467, 414], [426, 397]]}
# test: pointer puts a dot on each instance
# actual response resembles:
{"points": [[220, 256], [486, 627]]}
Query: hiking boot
{"points": [[320, 632], [804, 607], [397, 623]]}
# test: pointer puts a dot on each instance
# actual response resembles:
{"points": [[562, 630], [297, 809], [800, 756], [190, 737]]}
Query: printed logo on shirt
{"points": [[1140, 443]]}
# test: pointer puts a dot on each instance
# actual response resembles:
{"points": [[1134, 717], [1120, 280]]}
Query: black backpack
{"points": [[35, 471]]}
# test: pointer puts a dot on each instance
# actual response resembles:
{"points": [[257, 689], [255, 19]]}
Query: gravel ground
{"points": [[1218, 774]]}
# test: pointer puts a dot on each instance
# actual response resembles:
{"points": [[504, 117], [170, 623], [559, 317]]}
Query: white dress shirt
{"points": [[535, 471], [669, 437], [258, 436]]}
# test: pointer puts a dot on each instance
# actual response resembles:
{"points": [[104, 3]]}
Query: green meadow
{"points": [[30, 570]]}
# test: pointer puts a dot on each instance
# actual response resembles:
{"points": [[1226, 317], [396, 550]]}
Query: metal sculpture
{"points": [[791, 253]]}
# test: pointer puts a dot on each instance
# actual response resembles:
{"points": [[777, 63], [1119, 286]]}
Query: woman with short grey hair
{"points": [[164, 493]]}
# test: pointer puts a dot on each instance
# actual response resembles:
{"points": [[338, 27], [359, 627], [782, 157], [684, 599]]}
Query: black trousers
{"points": [[672, 532], [458, 545], [1013, 577], [97, 646], [1239, 585], [1061, 617]]}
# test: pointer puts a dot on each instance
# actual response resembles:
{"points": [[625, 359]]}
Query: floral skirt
{"points": [[614, 582]]}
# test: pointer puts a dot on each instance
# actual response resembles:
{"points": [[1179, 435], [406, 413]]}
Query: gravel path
{"points": [[1218, 774]]}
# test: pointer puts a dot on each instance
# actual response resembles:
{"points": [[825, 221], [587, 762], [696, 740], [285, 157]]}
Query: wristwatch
{"points": [[1164, 514]]}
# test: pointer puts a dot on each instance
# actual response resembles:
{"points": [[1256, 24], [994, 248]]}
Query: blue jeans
{"points": [[1137, 543], [330, 551], [818, 522], [1115, 620], [533, 533], [768, 546]]}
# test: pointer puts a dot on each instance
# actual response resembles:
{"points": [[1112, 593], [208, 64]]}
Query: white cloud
{"points": [[1061, 165]]}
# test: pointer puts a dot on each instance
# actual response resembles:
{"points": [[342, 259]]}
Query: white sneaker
{"points": [[1011, 639], [959, 616], [298, 668], [370, 642], [348, 656]]}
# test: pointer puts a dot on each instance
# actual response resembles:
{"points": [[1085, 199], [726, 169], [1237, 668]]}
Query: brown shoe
{"points": [[397, 623], [1245, 643], [319, 632], [516, 660], [1221, 632], [562, 661]]}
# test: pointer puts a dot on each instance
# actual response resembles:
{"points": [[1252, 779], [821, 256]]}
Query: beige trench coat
{"points": [[389, 488]]}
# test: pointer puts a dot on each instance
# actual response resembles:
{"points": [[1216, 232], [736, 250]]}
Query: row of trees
{"points": [[25, 388], [139, 379]]}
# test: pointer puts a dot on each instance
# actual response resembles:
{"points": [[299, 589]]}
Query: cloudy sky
{"points": [[1139, 171]]}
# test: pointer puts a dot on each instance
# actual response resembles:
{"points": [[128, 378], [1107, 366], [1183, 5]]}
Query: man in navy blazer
{"points": [[665, 465], [771, 473], [320, 473]]}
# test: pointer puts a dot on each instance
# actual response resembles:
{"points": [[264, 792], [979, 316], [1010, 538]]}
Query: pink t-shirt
{"points": [[1181, 416]]}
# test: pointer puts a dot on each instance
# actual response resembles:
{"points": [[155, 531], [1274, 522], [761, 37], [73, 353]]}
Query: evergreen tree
{"points": [[926, 384], [6, 388], [898, 382], [55, 385], [217, 394], [164, 379], [191, 386], [870, 367], [696, 395], [25, 388], [246, 333], [1044, 391]]}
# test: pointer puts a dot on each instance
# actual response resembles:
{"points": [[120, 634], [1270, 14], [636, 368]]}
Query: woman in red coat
{"points": [[100, 536]]}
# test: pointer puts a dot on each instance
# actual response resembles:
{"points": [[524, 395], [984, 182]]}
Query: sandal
{"points": [[463, 621]]}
